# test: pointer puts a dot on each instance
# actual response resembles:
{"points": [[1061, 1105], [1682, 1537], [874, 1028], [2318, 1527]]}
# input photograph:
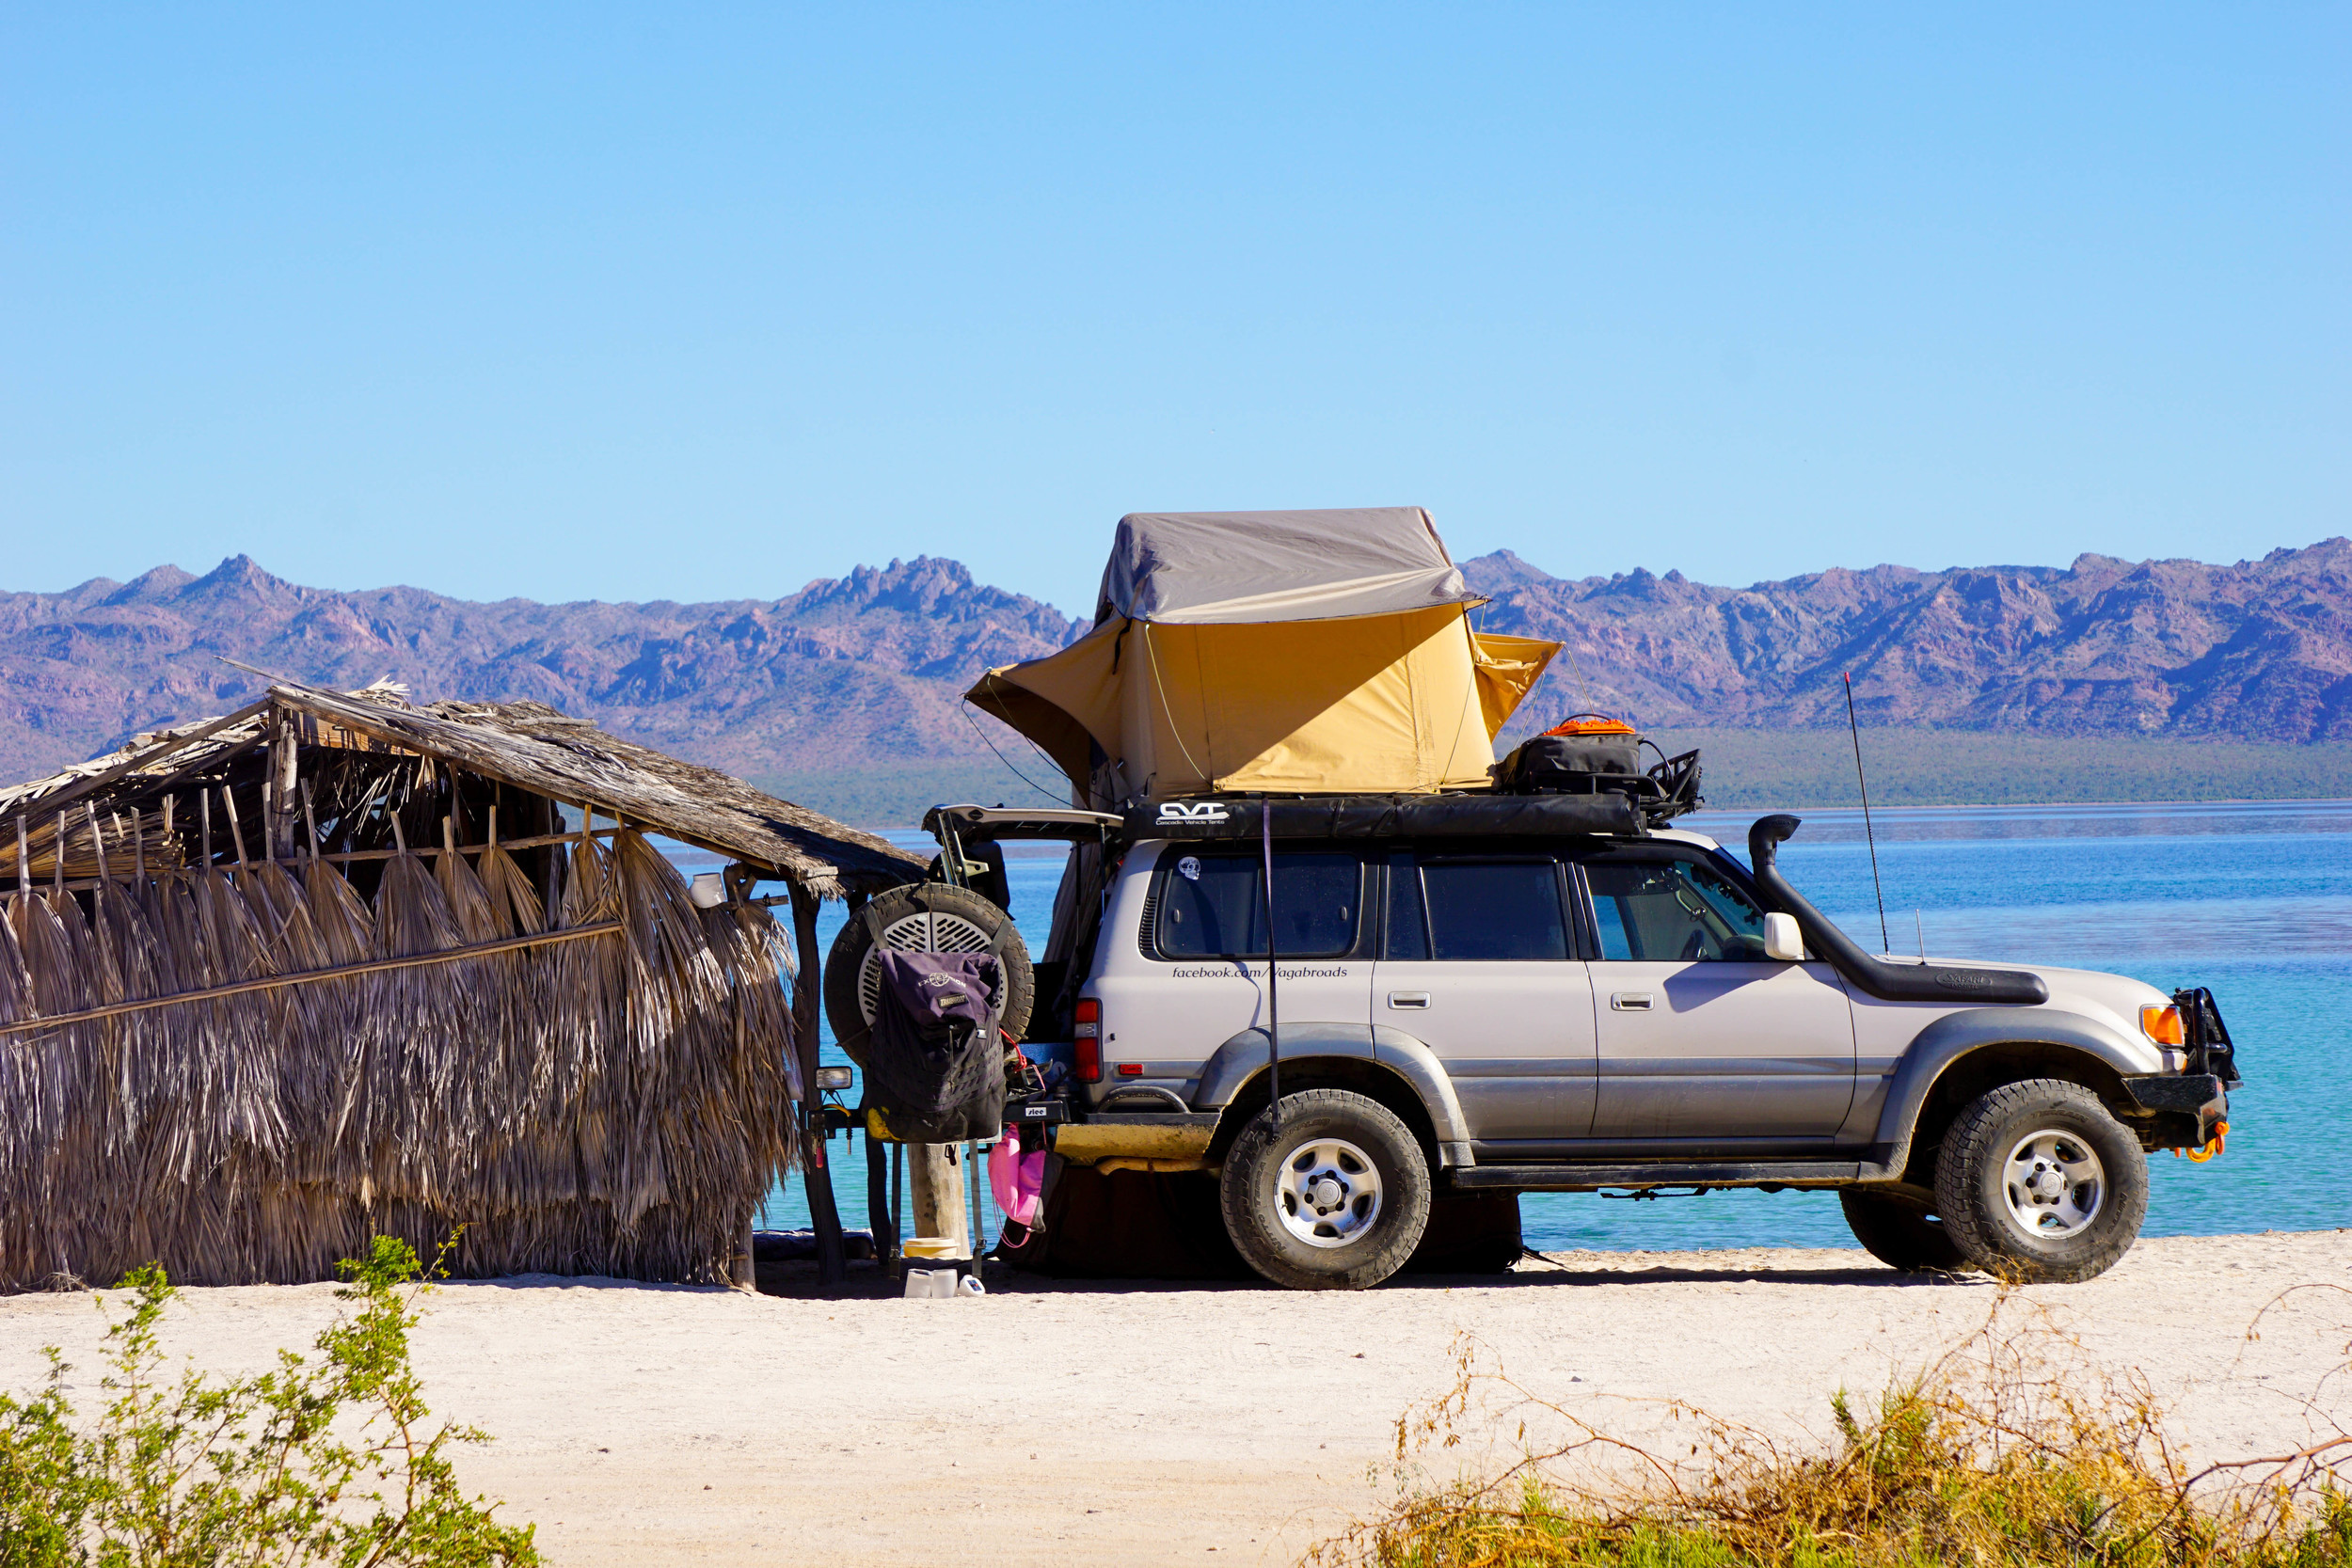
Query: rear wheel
{"points": [[1899, 1231], [920, 917], [1334, 1196], [2038, 1183]]}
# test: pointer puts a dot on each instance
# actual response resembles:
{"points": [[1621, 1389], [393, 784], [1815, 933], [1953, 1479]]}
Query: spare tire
{"points": [[921, 917]]}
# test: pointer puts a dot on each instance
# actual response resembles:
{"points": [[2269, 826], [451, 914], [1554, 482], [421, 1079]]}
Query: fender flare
{"points": [[1241, 1059], [1955, 1036]]}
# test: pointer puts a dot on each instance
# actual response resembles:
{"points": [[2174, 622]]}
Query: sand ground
{"points": [[1065, 1424]]}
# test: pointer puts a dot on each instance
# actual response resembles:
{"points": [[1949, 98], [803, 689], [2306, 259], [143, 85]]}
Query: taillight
{"points": [[2162, 1024], [1087, 1039], [1131, 1069]]}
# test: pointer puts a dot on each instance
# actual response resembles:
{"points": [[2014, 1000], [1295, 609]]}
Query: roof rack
{"points": [[1454, 814], [1668, 790]]}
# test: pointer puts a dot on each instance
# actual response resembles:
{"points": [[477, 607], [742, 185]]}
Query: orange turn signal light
{"points": [[2161, 1023]]}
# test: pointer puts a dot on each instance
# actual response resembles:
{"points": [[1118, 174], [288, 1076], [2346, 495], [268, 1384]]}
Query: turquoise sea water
{"points": [[2254, 900]]}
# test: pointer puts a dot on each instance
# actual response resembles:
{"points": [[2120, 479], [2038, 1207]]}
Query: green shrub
{"points": [[327, 1460]]}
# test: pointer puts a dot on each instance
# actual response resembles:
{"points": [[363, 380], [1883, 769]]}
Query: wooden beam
{"points": [[935, 1190], [284, 784], [306, 976], [833, 1263]]}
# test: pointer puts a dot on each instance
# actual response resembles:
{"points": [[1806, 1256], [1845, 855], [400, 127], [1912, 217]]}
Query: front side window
{"points": [[1212, 905], [1494, 909], [1673, 912]]}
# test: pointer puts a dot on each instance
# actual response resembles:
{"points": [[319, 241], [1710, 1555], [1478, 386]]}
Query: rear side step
{"points": [[1590, 1178]]}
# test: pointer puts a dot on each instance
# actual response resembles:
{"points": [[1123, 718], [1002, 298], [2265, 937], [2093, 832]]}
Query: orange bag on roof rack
{"points": [[1592, 724]]}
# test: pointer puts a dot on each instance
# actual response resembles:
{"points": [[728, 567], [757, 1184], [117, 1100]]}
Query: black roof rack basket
{"points": [[1669, 790], [1676, 780]]}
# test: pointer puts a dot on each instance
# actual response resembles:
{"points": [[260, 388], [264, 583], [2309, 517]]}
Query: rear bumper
{"points": [[1151, 1137]]}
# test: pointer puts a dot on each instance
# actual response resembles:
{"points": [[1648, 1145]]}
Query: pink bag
{"points": [[1015, 1177]]}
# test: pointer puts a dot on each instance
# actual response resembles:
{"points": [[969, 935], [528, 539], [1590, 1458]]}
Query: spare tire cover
{"points": [[921, 917]]}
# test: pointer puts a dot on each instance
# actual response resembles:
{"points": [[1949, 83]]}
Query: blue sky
{"points": [[701, 302]]}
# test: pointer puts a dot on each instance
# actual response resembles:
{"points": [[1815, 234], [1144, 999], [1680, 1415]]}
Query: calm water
{"points": [[2253, 900]]}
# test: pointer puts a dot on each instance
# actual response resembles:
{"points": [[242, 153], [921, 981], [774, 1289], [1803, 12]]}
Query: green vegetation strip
{"points": [[326, 1461]]}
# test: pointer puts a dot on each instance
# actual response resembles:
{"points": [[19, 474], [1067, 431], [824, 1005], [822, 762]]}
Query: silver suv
{"points": [[1485, 994]]}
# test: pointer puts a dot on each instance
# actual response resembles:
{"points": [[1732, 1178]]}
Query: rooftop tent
{"points": [[1300, 651]]}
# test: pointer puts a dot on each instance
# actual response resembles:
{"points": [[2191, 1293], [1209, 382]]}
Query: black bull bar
{"points": [[2192, 1106]]}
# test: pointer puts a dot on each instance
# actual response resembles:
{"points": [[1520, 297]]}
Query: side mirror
{"points": [[1783, 941]]}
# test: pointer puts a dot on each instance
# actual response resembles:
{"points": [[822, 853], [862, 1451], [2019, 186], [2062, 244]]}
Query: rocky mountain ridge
{"points": [[866, 669], [2261, 650], [868, 666]]}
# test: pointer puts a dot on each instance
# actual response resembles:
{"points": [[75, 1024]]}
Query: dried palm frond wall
{"points": [[615, 1102]]}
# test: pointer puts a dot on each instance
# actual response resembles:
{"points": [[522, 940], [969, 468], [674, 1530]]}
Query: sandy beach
{"points": [[1064, 1424]]}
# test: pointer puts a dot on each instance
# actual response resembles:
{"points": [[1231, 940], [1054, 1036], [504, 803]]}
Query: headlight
{"points": [[2161, 1022]]}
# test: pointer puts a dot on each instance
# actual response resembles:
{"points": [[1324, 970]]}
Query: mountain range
{"points": [[865, 670]]}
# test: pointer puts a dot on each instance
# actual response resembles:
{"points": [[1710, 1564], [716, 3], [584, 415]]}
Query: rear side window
{"points": [[1494, 909], [1213, 906]]}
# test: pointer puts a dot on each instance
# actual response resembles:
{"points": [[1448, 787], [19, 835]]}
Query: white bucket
{"points": [[941, 1284]]}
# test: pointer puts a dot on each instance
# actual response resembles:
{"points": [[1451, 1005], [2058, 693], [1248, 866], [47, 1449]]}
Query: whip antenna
{"points": [[1886, 944]]}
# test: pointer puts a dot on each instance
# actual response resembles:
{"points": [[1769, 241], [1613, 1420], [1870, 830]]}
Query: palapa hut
{"points": [[335, 965]]}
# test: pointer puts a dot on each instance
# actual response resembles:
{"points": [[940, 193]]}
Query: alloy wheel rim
{"points": [[1328, 1192], [2053, 1184]]}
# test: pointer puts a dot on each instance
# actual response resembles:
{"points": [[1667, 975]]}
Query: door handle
{"points": [[1408, 999], [1630, 1000]]}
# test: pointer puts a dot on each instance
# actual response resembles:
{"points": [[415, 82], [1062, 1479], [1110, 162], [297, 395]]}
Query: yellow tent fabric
{"points": [[1403, 702]]}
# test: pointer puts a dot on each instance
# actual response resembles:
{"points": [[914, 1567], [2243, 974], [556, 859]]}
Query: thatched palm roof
{"points": [[531, 747], [244, 1064]]}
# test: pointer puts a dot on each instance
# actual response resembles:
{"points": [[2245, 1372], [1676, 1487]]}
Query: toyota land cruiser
{"points": [[1478, 992]]}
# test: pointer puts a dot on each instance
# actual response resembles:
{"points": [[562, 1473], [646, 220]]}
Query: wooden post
{"points": [[935, 1180], [283, 804], [832, 1264]]}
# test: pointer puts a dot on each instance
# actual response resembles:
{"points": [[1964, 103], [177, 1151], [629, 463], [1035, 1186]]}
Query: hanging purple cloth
{"points": [[935, 1070]]}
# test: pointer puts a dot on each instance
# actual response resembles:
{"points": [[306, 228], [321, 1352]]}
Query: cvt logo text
{"points": [[1198, 811]]}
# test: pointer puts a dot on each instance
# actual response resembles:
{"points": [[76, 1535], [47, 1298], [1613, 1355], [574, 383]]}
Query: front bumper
{"points": [[2185, 1108]]}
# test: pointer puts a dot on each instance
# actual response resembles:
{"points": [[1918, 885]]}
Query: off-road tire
{"points": [[969, 922], [1971, 1191], [1900, 1232], [1249, 1191]]}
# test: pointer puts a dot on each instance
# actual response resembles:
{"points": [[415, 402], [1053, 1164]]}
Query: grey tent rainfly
{"points": [[337, 964]]}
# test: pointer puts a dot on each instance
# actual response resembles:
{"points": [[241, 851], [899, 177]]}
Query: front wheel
{"points": [[1332, 1197], [2039, 1184]]}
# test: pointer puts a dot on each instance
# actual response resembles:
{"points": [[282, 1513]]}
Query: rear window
{"points": [[1494, 909], [1211, 905]]}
